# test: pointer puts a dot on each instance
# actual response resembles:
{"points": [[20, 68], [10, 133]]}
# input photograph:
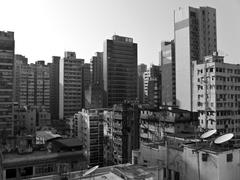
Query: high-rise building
{"points": [[195, 37], [24, 81], [87, 85], [7, 47], [32, 83], [141, 69], [125, 131], [168, 73], [120, 69], [42, 85], [97, 97], [146, 77], [70, 85], [152, 86], [88, 127], [217, 94], [54, 87]]}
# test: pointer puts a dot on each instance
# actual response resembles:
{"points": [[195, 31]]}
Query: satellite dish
{"points": [[208, 134], [90, 171], [223, 138]]}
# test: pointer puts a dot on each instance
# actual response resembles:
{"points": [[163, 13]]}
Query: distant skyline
{"points": [[46, 28]]}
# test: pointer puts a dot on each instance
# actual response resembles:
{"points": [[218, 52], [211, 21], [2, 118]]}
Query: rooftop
{"points": [[117, 172], [209, 146], [14, 158], [72, 142], [47, 135]]}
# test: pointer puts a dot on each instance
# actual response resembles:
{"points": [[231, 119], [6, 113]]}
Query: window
{"points": [[229, 157], [11, 173]]}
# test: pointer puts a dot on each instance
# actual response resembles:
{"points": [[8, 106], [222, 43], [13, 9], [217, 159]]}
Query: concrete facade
{"points": [[54, 87], [88, 126], [195, 37], [217, 94], [168, 76], [70, 85], [190, 161], [7, 48], [97, 97], [142, 68]]}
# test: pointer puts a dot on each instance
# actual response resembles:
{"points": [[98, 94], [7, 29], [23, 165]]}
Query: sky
{"points": [[46, 28]]}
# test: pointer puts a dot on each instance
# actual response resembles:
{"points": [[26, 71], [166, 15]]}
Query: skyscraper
{"points": [[32, 83], [97, 96], [54, 87], [152, 86], [87, 85], [141, 69], [168, 73], [42, 85], [195, 37], [7, 47], [24, 81], [120, 69], [70, 85]]}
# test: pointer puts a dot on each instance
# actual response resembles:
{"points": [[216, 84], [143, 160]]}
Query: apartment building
{"points": [[87, 125], [7, 48], [216, 94], [70, 85]]}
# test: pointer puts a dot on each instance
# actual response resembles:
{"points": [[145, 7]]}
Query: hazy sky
{"points": [[44, 28]]}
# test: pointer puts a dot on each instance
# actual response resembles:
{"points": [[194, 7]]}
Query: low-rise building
{"points": [[60, 156], [184, 158], [117, 172]]}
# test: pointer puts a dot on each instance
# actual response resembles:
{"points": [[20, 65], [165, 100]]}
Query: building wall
{"points": [[125, 131], [97, 97], [189, 162], [215, 168], [183, 68], [42, 85], [7, 47], [54, 87], [146, 77], [195, 36], [71, 85], [24, 121], [168, 73], [141, 69], [217, 95], [87, 85], [32, 85], [88, 126]]}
